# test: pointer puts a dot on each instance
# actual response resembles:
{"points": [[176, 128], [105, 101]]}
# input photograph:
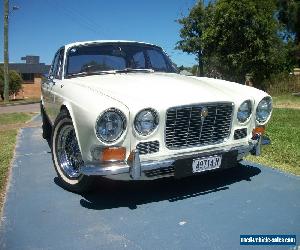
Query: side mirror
{"points": [[50, 80]]}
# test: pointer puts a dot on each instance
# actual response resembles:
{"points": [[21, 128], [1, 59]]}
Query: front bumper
{"points": [[134, 169]]}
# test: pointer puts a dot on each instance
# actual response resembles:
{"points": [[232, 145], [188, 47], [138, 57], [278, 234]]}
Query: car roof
{"points": [[67, 46]]}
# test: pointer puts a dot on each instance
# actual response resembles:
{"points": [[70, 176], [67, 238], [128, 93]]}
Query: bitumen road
{"points": [[209, 211], [33, 107]]}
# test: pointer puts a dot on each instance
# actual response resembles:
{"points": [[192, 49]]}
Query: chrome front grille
{"points": [[148, 147], [188, 126]]}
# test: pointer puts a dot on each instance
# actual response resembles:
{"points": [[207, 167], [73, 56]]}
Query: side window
{"points": [[60, 64], [57, 65], [54, 65]]}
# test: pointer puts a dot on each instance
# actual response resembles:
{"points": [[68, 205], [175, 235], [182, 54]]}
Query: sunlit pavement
{"points": [[27, 108], [203, 212]]}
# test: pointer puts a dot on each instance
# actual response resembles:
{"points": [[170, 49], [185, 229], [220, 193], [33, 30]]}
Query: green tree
{"points": [[15, 82], [242, 37], [289, 17], [191, 33], [181, 67]]}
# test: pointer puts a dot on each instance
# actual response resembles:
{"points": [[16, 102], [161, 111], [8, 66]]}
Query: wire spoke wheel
{"points": [[67, 157], [68, 152]]}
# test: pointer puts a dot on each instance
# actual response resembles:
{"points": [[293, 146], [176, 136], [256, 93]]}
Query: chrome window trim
{"points": [[165, 56]]}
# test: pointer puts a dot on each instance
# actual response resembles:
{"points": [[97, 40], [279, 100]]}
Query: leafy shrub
{"points": [[15, 82]]}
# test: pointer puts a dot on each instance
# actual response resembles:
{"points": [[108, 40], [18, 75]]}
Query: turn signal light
{"points": [[259, 130], [113, 154]]}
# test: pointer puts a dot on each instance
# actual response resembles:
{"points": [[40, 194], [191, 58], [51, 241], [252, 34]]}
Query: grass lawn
{"points": [[284, 151], [286, 101], [7, 145], [14, 118]]}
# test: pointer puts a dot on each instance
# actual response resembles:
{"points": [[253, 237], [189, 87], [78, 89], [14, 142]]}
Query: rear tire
{"points": [[66, 156]]}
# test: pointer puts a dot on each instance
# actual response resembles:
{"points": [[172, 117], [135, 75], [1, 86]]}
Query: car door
{"points": [[47, 85], [55, 86]]}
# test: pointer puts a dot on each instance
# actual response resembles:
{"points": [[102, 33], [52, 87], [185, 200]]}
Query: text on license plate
{"points": [[206, 163]]}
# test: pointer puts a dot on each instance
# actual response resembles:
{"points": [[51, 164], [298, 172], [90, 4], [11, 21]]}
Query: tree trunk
{"points": [[200, 64]]}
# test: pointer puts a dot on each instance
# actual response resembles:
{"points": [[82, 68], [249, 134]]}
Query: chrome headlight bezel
{"points": [[137, 127], [122, 126], [265, 105], [241, 116]]}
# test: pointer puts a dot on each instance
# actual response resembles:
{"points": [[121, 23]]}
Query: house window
{"points": [[28, 77]]}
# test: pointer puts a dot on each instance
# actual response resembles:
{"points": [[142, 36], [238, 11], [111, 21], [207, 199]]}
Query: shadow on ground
{"points": [[109, 194]]}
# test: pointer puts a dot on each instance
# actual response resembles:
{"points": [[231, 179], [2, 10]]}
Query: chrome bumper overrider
{"points": [[135, 168]]}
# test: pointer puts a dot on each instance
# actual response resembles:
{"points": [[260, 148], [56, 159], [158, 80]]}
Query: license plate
{"points": [[206, 163]]}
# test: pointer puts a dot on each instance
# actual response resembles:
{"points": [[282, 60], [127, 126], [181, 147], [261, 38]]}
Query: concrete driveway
{"points": [[203, 212]]}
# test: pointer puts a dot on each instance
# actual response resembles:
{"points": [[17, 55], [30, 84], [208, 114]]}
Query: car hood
{"points": [[163, 90]]}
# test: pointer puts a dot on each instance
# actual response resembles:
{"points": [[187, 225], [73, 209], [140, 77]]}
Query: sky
{"points": [[40, 27]]}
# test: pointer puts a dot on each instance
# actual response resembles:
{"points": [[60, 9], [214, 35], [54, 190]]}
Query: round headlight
{"points": [[244, 111], [264, 109], [146, 121], [110, 125]]}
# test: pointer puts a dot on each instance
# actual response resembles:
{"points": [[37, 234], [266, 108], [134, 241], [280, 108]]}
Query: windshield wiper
{"points": [[130, 70], [86, 73], [104, 72]]}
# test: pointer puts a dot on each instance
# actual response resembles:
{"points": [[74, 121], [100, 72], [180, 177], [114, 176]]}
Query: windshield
{"points": [[116, 57]]}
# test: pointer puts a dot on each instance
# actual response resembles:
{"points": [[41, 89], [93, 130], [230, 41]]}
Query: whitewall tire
{"points": [[66, 155]]}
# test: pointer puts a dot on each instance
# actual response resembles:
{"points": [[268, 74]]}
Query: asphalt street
{"points": [[208, 211]]}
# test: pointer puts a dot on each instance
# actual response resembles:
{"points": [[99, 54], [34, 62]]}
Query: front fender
{"points": [[84, 118]]}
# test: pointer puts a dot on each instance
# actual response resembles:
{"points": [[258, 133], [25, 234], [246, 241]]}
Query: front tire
{"points": [[66, 156]]}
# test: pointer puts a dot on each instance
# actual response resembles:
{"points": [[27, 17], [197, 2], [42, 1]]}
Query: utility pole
{"points": [[6, 73]]}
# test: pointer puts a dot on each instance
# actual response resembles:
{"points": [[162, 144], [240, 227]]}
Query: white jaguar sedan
{"points": [[119, 109]]}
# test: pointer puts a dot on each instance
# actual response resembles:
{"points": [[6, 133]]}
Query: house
{"points": [[32, 72]]}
